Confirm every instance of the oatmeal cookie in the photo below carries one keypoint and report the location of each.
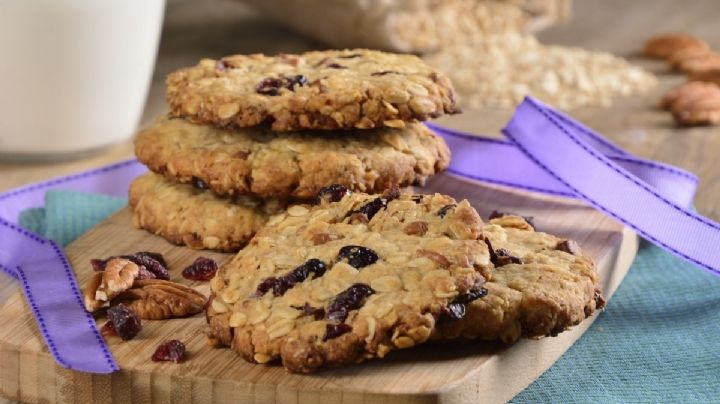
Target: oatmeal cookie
(183, 214)
(541, 286)
(298, 164)
(352, 278)
(342, 89)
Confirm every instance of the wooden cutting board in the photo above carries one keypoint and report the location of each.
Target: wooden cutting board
(462, 373)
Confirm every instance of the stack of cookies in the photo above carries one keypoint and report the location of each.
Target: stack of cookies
(301, 157)
(247, 135)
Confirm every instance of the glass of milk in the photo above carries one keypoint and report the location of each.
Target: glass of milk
(74, 74)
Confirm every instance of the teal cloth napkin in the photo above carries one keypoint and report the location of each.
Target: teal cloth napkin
(657, 341)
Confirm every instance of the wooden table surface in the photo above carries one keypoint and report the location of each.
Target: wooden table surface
(212, 28)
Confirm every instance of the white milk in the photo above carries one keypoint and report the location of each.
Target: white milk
(74, 74)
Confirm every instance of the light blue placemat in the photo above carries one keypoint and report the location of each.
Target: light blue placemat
(657, 341)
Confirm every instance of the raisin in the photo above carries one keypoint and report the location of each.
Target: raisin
(336, 66)
(265, 285)
(198, 183)
(220, 66)
(445, 209)
(336, 330)
(125, 321)
(351, 298)
(284, 283)
(497, 214)
(203, 269)
(371, 208)
(357, 256)
(568, 246)
(150, 261)
(417, 198)
(453, 312)
(473, 294)
(332, 193)
(350, 56)
(172, 351)
(271, 86)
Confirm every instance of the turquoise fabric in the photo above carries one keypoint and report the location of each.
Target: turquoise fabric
(657, 341)
(68, 214)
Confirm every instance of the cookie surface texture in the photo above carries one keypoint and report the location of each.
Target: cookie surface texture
(283, 165)
(541, 286)
(185, 215)
(315, 90)
(350, 279)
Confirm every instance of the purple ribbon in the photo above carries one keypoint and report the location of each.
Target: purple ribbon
(45, 276)
(546, 152)
(551, 153)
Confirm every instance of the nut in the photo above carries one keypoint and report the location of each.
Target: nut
(710, 76)
(156, 299)
(694, 103)
(118, 276)
(92, 304)
(665, 45)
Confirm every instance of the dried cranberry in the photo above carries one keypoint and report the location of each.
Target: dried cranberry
(173, 351)
(351, 298)
(198, 183)
(445, 209)
(453, 312)
(269, 86)
(145, 274)
(203, 269)
(371, 208)
(332, 193)
(108, 329)
(125, 321)
(336, 330)
(497, 214)
(220, 65)
(357, 256)
(282, 284)
(272, 86)
(265, 285)
(473, 294)
(153, 262)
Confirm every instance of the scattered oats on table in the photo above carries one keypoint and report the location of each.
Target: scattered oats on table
(499, 69)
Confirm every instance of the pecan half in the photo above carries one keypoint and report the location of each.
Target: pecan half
(157, 299)
(118, 276)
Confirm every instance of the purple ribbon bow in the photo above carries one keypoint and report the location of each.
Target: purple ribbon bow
(546, 152)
